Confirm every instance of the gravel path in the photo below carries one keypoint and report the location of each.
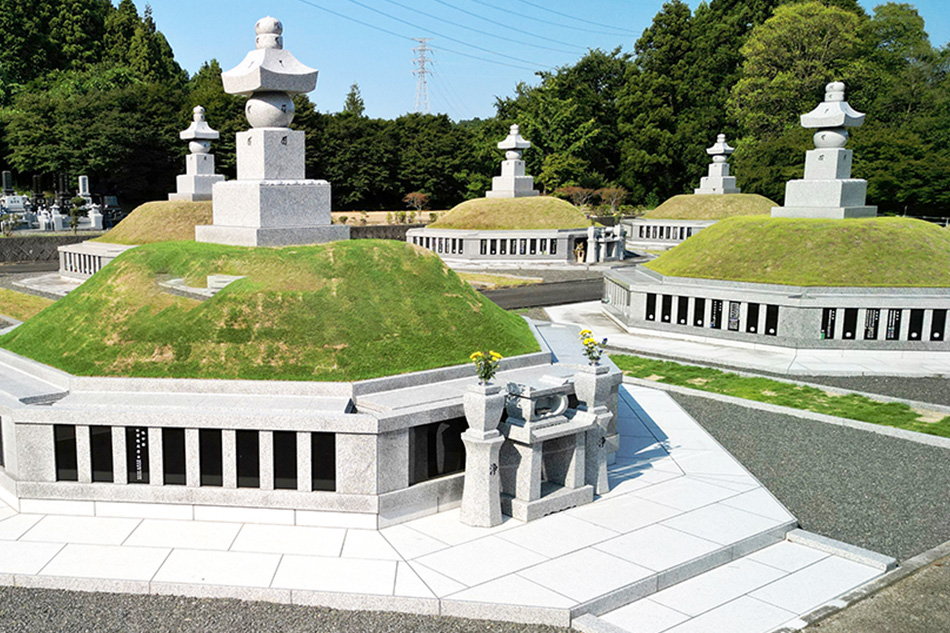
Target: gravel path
(888, 495)
(47, 611)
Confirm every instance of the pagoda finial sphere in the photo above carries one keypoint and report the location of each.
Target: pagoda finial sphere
(199, 114)
(269, 33)
(834, 91)
(515, 129)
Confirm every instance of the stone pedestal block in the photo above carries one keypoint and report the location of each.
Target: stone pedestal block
(251, 236)
(272, 203)
(481, 496)
(834, 199)
(592, 385)
(270, 154)
(200, 165)
(195, 188)
(828, 164)
(512, 187)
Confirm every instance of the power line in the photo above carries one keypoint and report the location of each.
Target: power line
(422, 72)
(442, 35)
(505, 26)
(537, 19)
(406, 37)
(574, 17)
(479, 31)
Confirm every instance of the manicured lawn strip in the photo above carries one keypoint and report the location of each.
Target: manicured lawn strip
(347, 310)
(851, 406)
(20, 305)
(869, 252)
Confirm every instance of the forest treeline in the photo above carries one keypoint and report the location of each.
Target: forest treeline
(87, 87)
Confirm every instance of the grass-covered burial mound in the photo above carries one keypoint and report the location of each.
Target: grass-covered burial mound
(872, 252)
(711, 207)
(162, 221)
(341, 311)
(513, 214)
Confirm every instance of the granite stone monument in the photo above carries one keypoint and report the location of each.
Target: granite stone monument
(513, 183)
(271, 203)
(718, 181)
(199, 177)
(828, 190)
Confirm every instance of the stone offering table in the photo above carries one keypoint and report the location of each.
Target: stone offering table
(543, 462)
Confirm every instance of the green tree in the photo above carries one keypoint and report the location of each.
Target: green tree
(354, 101)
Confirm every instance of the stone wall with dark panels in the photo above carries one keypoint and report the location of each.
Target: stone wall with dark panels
(38, 248)
(382, 231)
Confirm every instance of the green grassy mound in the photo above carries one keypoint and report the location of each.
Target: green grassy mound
(541, 212)
(873, 252)
(159, 222)
(711, 207)
(340, 311)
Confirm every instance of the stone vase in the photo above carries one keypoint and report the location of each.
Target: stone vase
(483, 405)
(592, 385)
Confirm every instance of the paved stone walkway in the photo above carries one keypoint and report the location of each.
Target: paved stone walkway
(679, 505)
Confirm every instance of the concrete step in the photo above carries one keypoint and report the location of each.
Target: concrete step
(760, 592)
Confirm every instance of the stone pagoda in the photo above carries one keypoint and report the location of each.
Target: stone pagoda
(513, 183)
(199, 177)
(271, 203)
(828, 190)
(718, 181)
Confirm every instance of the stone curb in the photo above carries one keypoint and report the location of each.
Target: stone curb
(912, 436)
(10, 328)
(910, 567)
(842, 549)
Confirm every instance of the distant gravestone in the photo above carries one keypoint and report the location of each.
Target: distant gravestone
(513, 183)
(828, 191)
(84, 189)
(718, 181)
(199, 177)
(8, 183)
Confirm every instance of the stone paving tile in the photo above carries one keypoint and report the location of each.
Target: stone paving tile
(759, 501)
(684, 493)
(585, 574)
(346, 575)
(236, 569)
(16, 526)
(439, 584)
(409, 584)
(107, 561)
(813, 586)
(289, 539)
(645, 616)
(743, 615)
(629, 475)
(446, 527)
(411, 543)
(480, 561)
(557, 535)
(721, 524)
(623, 514)
(787, 556)
(368, 544)
(717, 587)
(658, 547)
(707, 462)
(88, 530)
(204, 535)
(27, 558)
(515, 589)
(6, 512)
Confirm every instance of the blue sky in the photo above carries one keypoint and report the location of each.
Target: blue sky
(500, 48)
